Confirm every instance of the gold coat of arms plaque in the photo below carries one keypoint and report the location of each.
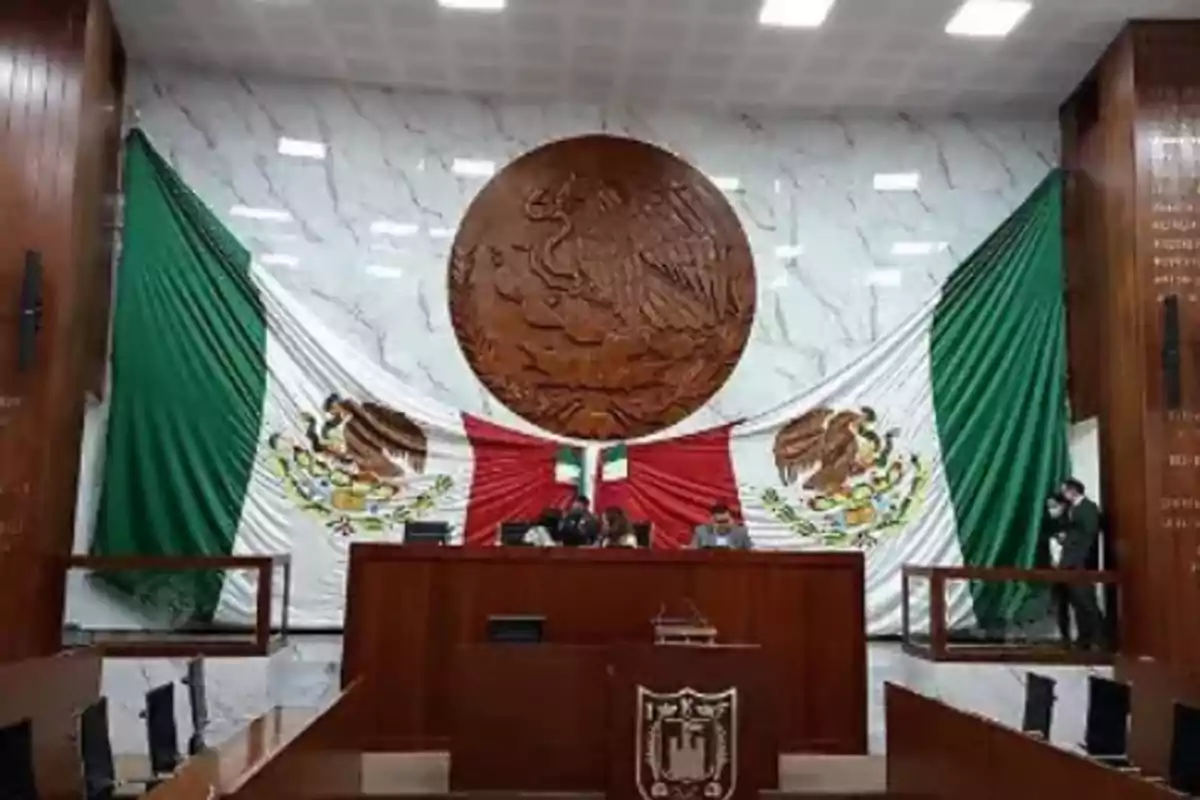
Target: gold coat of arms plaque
(686, 744)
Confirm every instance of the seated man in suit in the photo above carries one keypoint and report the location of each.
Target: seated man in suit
(578, 528)
(721, 531)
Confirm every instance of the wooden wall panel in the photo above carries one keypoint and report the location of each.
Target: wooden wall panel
(59, 145)
(408, 609)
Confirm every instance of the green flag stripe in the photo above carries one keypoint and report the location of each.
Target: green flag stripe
(188, 383)
(998, 365)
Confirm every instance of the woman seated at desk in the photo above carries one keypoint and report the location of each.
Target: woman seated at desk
(616, 530)
(544, 532)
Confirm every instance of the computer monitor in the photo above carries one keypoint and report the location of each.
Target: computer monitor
(198, 701)
(1039, 705)
(17, 779)
(95, 752)
(1107, 732)
(161, 732)
(515, 629)
(1183, 774)
(426, 532)
(642, 532)
(513, 533)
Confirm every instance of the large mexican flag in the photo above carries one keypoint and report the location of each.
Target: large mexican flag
(937, 447)
(240, 425)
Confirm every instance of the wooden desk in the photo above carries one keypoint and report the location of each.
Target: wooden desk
(564, 718)
(408, 611)
(938, 752)
(52, 692)
(1154, 690)
(286, 753)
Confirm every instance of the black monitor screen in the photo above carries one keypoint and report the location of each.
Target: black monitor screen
(160, 729)
(1107, 717)
(426, 532)
(16, 762)
(515, 629)
(95, 746)
(1039, 705)
(513, 533)
(1184, 772)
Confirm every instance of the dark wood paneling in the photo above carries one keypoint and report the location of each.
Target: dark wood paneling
(59, 118)
(530, 719)
(1132, 146)
(938, 752)
(51, 692)
(409, 609)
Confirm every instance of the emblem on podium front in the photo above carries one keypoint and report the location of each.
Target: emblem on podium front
(686, 744)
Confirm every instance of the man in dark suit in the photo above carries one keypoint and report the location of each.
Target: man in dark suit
(578, 528)
(1080, 537)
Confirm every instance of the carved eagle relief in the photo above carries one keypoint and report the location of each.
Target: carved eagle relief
(826, 441)
(379, 440)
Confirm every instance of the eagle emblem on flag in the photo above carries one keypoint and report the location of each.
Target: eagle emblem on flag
(359, 466)
(845, 480)
(686, 744)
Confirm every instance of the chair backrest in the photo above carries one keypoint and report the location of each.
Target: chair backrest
(95, 752)
(426, 532)
(1039, 705)
(644, 531)
(1183, 775)
(17, 778)
(161, 732)
(513, 532)
(198, 702)
(1107, 731)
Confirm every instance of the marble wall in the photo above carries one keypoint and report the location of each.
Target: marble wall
(364, 234)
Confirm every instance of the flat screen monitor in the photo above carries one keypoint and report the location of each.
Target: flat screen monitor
(198, 701)
(16, 762)
(1107, 729)
(430, 532)
(161, 732)
(641, 530)
(515, 629)
(1184, 770)
(512, 534)
(1039, 705)
(95, 750)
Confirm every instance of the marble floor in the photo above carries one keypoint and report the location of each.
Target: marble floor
(307, 672)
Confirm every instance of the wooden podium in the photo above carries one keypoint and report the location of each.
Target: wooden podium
(632, 721)
(411, 610)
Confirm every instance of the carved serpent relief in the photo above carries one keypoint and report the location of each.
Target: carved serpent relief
(601, 288)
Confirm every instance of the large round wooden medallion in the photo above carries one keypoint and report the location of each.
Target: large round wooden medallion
(601, 288)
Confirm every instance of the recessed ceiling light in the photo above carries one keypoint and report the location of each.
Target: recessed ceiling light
(385, 272)
(473, 5)
(278, 260)
(988, 18)
(794, 13)
(897, 181)
(441, 233)
(261, 214)
(385, 227)
(302, 148)
(918, 248)
(883, 277)
(726, 183)
(789, 251)
(474, 167)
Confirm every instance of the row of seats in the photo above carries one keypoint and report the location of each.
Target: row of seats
(1106, 733)
(18, 774)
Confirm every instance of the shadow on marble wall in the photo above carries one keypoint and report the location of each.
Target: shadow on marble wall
(307, 673)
